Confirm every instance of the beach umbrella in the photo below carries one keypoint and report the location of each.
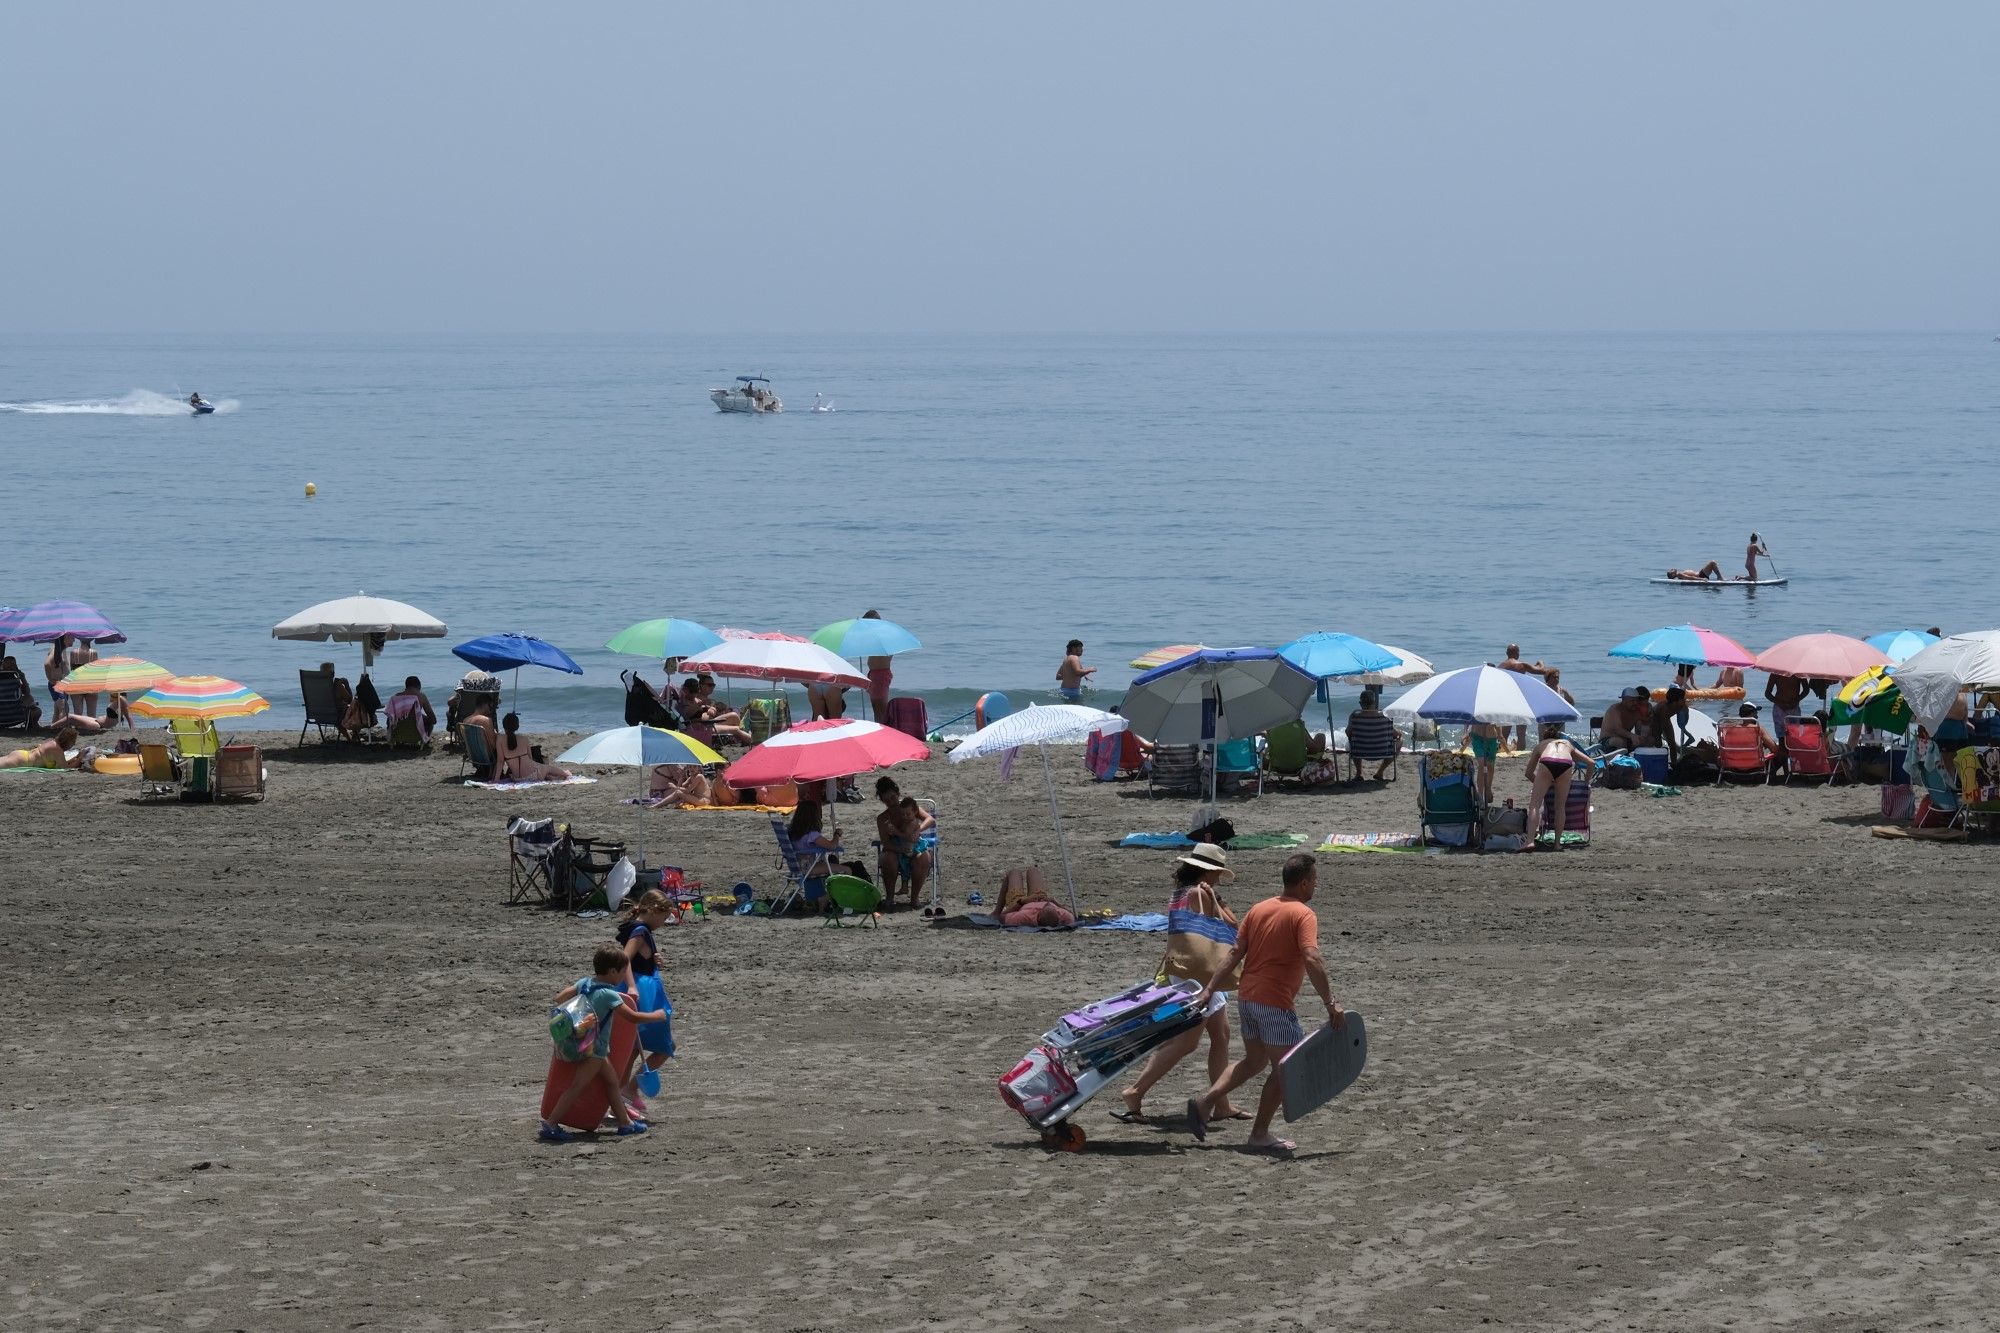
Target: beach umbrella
(823, 749)
(1173, 652)
(1685, 645)
(866, 637)
(1330, 655)
(204, 698)
(1899, 645)
(1931, 680)
(368, 621)
(778, 659)
(1041, 725)
(1214, 696)
(641, 748)
(45, 622)
(1872, 699)
(664, 639)
(113, 675)
(1819, 657)
(1484, 694)
(500, 652)
(1409, 669)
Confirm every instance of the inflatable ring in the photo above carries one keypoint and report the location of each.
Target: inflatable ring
(127, 764)
(1732, 693)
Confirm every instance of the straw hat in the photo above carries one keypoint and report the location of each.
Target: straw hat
(1207, 856)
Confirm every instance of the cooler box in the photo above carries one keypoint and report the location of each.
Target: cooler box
(1652, 764)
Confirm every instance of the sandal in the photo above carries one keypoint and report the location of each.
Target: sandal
(554, 1134)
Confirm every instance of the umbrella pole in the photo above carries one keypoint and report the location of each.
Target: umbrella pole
(1055, 811)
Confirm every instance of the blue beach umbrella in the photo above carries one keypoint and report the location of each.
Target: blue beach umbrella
(1216, 695)
(1900, 645)
(1483, 694)
(664, 638)
(866, 637)
(511, 652)
(1330, 654)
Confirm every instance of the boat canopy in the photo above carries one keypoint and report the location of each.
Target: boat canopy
(752, 379)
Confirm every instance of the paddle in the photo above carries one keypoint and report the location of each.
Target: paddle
(1774, 563)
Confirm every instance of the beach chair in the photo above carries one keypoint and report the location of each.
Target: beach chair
(406, 729)
(765, 718)
(1238, 759)
(1449, 812)
(1576, 813)
(1176, 769)
(17, 712)
(532, 846)
(239, 773)
(798, 870)
(475, 754)
(1740, 751)
(1374, 749)
(193, 737)
(322, 704)
(1285, 750)
(1806, 753)
(852, 896)
(157, 774)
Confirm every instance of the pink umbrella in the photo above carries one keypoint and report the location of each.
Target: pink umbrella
(828, 748)
(1819, 657)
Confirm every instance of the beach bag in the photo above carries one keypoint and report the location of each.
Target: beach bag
(1198, 939)
(1510, 819)
(1218, 831)
(1897, 805)
(573, 1026)
(1621, 773)
(1038, 1084)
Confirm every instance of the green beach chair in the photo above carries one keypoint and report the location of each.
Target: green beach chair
(1285, 750)
(851, 894)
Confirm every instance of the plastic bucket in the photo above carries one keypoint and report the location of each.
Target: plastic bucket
(1652, 764)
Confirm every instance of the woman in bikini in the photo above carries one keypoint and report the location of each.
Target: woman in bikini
(514, 760)
(1552, 765)
(1025, 901)
(50, 753)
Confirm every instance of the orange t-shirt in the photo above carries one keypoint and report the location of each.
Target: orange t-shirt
(1274, 936)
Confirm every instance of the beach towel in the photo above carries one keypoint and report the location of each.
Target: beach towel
(1568, 839)
(1242, 842)
(1159, 841)
(1372, 842)
(523, 786)
(1140, 921)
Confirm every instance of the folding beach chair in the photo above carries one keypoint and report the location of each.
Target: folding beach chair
(1285, 750)
(1806, 753)
(239, 773)
(193, 738)
(1379, 745)
(797, 868)
(406, 730)
(474, 754)
(1740, 751)
(157, 774)
(532, 854)
(1238, 759)
(1176, 769)
(17, 712)
(765, 718)
(1576, 812)
(322, 703)
(1448, 808)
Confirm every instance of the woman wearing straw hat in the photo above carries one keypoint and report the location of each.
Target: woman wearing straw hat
(1200, 931)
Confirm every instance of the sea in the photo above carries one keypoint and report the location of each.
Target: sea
(996, 495)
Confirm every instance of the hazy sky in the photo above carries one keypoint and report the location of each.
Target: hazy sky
(877, 167)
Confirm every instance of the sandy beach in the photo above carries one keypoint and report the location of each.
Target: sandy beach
(275, 1067)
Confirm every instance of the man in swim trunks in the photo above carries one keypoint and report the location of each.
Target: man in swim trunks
(1784, 693)
(1484, 739)
(1277, 947)
(1072, 673)
(1625, 722)
(1709, 571)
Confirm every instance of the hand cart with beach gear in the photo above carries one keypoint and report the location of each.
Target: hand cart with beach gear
(1091, 1046)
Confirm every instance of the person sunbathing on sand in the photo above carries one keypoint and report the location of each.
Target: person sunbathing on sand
(1025, 901)
(516, 761)
(50, 753)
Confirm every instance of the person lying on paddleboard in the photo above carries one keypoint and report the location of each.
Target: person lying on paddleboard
(1708, 572)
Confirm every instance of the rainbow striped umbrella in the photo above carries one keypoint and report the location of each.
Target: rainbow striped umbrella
(114, 675)
(205, 697)
(1159, 657)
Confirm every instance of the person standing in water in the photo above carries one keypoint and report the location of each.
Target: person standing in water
(1756, 549)
(1072, 673)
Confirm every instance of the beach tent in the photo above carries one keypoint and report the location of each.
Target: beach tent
(368, 621)
(1931, 680)
(1041, 725)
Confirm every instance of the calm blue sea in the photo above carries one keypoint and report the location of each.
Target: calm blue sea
(997, 495)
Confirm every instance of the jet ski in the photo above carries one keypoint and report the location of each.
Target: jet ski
(203, 409)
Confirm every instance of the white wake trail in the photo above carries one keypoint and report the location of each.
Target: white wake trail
(138, 403)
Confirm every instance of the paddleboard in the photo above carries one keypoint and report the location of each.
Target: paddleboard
(1320, 1068)
(1725, 583)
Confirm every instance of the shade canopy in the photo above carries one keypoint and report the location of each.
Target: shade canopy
(1931, 680)
(664, 638)
(1037, 724)
(1820, 657)
(204, 697)
(504, 652)
(827, 748)
(1330, 655)
(638, 747)
(114, 675)
(45, 622)
(1685, 645)
(1900, 645)
(1484, 694)
(775, 659)
(1216, 695)
(357, 619)
(863, 637)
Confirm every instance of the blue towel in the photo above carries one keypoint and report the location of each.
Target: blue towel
(1130, 921)
(1169, 841)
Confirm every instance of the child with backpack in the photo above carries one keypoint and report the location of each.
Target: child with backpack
(580, 1022)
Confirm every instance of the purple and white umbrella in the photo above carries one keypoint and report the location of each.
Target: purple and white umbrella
(45, 622)
(1484, 694)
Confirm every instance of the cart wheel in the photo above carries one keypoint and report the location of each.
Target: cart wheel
(1066, 1137)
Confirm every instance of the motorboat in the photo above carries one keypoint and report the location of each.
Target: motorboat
(746, 396)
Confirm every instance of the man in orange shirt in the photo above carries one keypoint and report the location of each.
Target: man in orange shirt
(1277, 946)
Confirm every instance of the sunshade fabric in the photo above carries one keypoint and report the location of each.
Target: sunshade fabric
(637, 747)
(45, 622)
(355, 619)
(1685, 645)
(1900, 645)
(863, 637)
(502, 652)
(1483, 694)
(1331, 655)
(114, 675)
(1218, 694)
(1931, 680)
(775, 659)
(822, 749)
(664, 638)
(205, 697)
(1820, 657)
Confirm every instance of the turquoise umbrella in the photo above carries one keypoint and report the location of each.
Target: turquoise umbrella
(866, 637)
(664, 638)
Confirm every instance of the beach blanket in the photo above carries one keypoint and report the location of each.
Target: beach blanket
(1568, 839)
(1090, 920)
(1242, 842)
(1141, 921)
(655, 802)
(523, 786)
(1372, 842)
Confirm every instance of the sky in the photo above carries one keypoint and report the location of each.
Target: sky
(1109, 167)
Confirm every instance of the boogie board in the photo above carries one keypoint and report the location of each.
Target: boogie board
(587, 1112)
(1725, 583)
(1319, 1068)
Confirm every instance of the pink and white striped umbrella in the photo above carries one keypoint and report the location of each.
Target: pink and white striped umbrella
(775, 659)
(828, 748)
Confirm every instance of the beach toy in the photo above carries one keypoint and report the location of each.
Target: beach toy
(127, 764)
(649, 1082)
(744, 894)
(311, 490)
(1319, 1068)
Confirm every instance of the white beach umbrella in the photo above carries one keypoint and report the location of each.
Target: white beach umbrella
(1930, 680)
(360, 619)
(1041, 725)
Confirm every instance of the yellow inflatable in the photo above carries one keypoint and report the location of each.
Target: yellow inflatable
(1732, 693)
(128, 764)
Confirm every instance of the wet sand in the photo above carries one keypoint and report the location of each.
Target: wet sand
(275, 1067)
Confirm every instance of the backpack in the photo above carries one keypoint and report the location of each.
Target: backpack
(573, 1025)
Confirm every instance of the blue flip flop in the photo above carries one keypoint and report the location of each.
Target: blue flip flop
(554, 1134)
(636, 1127)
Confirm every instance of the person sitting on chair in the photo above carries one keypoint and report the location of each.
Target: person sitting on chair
(1371, 733)
(1768, 748)
(1625, 725)
(12, 669)
(909, 836)
(1025, 901)
(480, 719)
(517, 761)
(411, 702)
